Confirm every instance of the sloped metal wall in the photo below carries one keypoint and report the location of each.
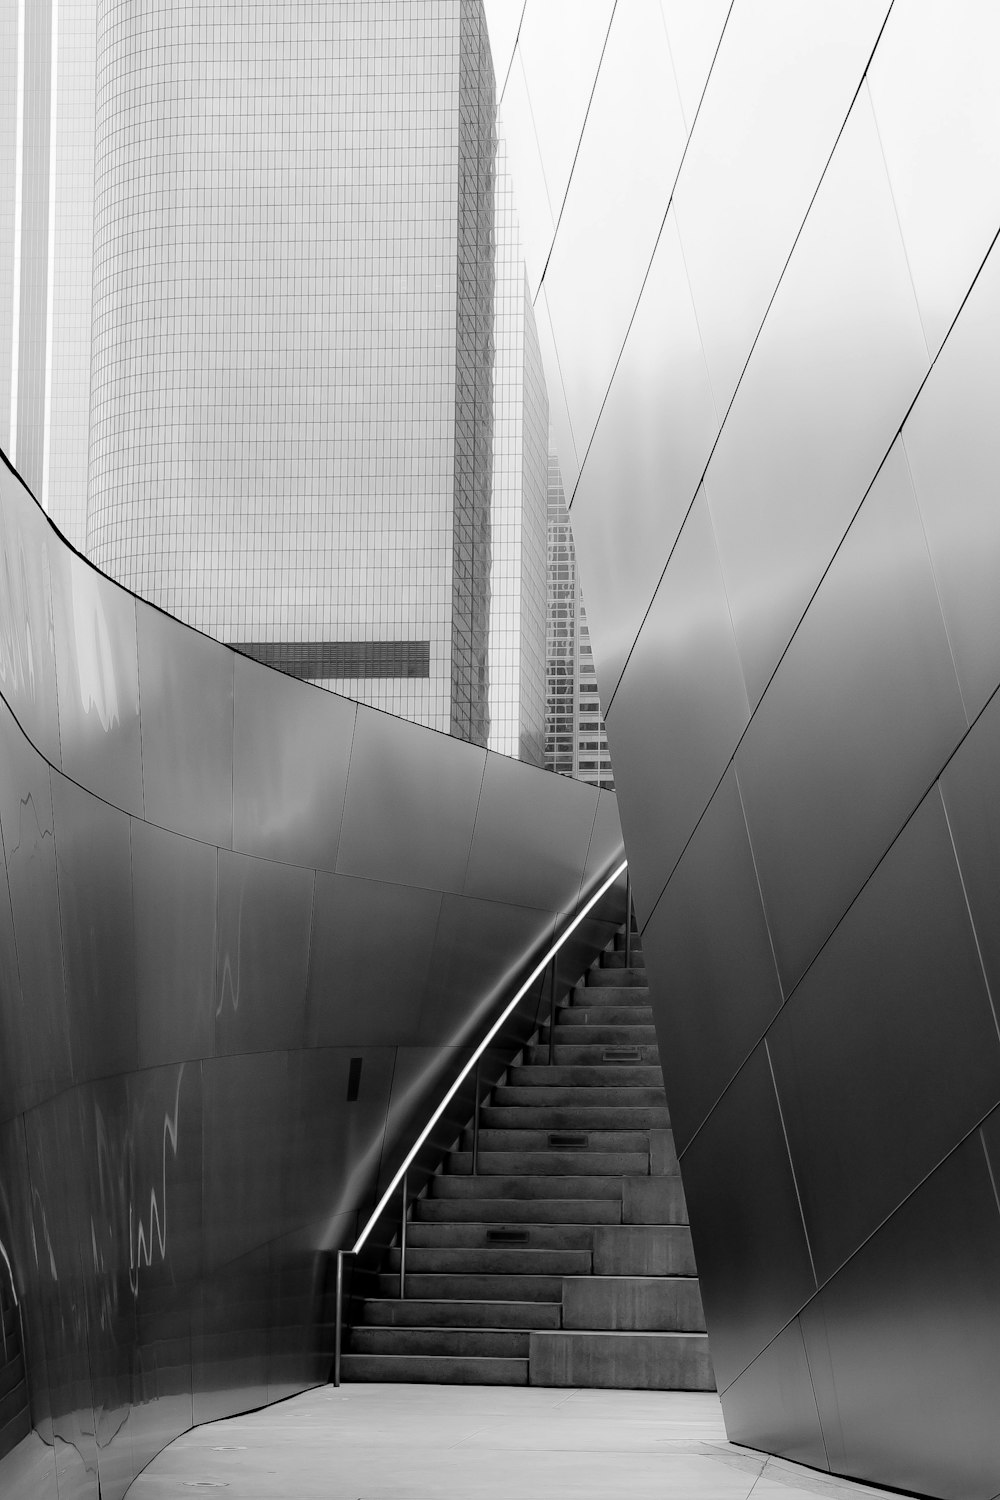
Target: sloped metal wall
(220, 889)
(764, 264)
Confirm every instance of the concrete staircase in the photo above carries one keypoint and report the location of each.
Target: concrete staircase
(566, 1260)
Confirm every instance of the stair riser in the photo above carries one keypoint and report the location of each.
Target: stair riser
(391, 1313)
(448, 1186)
(472, 1236)
(455, 1211)
(643, 1250)
(616, 979)
(610, 1075)
(553, 1097)
(611, 1036)
(580, 1117)
(492, 1260)
(466, 1287)
(538, 1140)
(592, 1054)
(633, 1304)
(551, 1163)
(604, 1015)
(616, 959)
(645, 1362)
(653, 1200)
(492, 1343)
(419, 1369)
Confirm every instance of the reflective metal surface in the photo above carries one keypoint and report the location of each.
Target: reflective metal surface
(682, 697)
(645, 461)
(783, 483)
(707, 942)
(861, 715)
(896, 1000)
(820, 262)
(210, 1057)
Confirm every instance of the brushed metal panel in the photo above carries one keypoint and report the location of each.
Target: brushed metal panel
(606, 839)
(531, 838)
(682, 705)
(163, 1145)
(772, 1405)
(838, 361)
(29, 847)
(645, 462)
(411, 804)
(94, 626)
(535, 213)
(175, 897)
(782, 84)
(952, 442)
(888, 1051)
(617, 198)
(970, 787)
(560, 51)
(370, 956)
(265, 919)
(694, 32)
(93, 862)
(27, 656)
(859, 718)
(291, 751)
(480, 950)
(186, 711)
(561, 440)
(331, 1144)
(245, 1101)
(943, 162)
(910, 1333)
(713, 982)
(749, 1243)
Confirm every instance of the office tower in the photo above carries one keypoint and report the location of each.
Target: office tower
(771, 342)
(291, 434)
(520, 463)
(47, 103)
(576, 741)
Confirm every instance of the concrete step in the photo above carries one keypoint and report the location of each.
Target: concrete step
(574, 1117)
(558, 1139)
(496, 1235)
(615, 958)
(622, 979)
(454, 1211)
(511, 1096)
(580, 1014)
(435, 1286)
(389, 1312)
(620, 1053)
(643, 1250)
(622, 1361)
(571, 1184)
(606, 1075)
(662, 1154)
(550, 1163)
(653, 1200)
(665, 1304)
(439, 1369)
(490, 1260)
(495, 1343)
(590, 1033)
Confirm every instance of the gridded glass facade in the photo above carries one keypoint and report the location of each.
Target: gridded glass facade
(576, 741)
(292, 406)
(520, 471)
(47, 103)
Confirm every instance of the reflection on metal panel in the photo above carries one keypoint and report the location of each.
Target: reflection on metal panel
(772, 1405)
(681, 698)
(861, 715)
(183, 1142)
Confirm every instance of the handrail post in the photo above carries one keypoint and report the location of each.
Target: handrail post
(552, 1010)
(475, 1127)
(402, 1246)
(628, 919)
(338, 1317)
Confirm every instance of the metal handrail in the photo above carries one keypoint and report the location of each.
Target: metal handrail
(473, 1062)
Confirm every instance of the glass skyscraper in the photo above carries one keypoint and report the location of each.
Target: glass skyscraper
(292, 406)
(520, 468)
(47, 82)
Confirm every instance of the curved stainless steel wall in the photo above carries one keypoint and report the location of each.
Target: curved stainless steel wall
(771, 312)
(220, 886)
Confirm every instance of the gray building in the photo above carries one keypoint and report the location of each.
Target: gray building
(292, 410)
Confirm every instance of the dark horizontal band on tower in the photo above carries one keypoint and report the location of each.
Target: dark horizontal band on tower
(329, 659)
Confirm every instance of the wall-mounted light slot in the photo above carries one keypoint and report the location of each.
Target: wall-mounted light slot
(353, 1079)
